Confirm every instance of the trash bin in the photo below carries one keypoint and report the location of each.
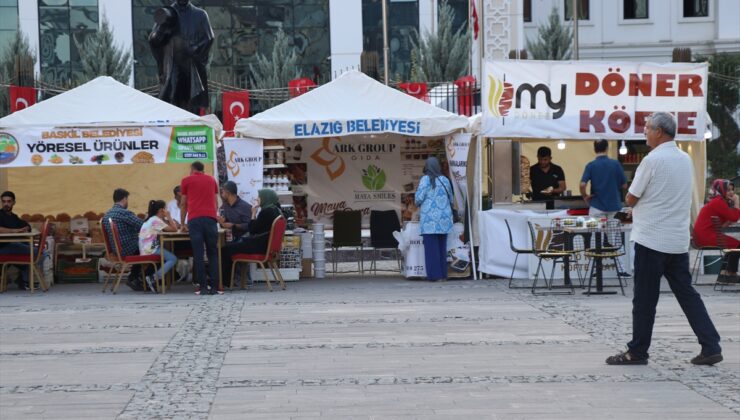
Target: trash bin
(712, 264)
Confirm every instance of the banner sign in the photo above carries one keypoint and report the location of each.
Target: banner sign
(588, 100)
(244, 164)
(104, 146)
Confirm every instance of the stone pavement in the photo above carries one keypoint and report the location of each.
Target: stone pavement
(378, 347)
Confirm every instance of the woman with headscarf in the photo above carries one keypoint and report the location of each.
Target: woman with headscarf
(268, 206)
(434, 197)
(725, 205)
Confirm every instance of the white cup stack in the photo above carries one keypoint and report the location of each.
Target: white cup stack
(319, 249)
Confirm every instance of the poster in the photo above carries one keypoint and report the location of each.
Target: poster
(244, 165)
(105, 146)
(587, 100)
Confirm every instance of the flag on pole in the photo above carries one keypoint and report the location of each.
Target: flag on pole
(235, 107)
(474, 19)
(21, 97)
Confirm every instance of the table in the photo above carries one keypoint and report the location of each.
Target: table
(732, 230)
(24, 237)
(572, 230)
(182, 236)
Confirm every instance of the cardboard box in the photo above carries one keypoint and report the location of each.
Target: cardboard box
(306, 268)
(61, 231)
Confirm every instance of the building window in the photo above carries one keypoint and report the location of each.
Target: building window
(583, 9)
(8, 22)
(64, 24)
(636, 9)
(403, 19)
(695, 8)
(461, 10)
(242, 29)
(527, 10)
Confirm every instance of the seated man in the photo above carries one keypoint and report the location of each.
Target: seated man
(128, 228)
(11, 223)
(173, 206)
(235, 212)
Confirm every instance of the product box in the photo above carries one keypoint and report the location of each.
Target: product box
(77, 239)
(79, 226)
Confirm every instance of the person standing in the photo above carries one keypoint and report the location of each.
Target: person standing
(434, 196)
(547, 178)
(198, 202)
(660, 196)
(607, 182)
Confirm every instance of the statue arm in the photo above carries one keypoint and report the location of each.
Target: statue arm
(201, 48)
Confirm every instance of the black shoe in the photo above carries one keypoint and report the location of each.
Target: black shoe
(623, 274)
(701, 359)
(625, 358)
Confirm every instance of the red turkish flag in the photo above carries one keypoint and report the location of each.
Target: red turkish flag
(298, 87)
(416, 89)
(474, 16)
(21, 97)
(235, 107)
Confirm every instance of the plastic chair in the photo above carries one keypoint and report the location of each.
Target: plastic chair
(724, 250)
(382, 225)
(517, 251)
(540, 244)
(25, 259)
(698, 260)
(347, 234)
(129, 261)
(271, 257)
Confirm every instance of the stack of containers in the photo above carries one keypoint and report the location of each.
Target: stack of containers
(319, 250)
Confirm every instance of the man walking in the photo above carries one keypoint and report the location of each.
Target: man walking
(198, 202)
(661, 199)
(607, 182)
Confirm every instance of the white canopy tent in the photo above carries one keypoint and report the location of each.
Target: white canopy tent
(351, 97)
(102, 102)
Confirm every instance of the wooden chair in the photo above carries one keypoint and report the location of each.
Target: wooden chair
(609, 246)
(129, 261)
(724, 250)
(25, 259)
(111, 271)
(271, 257)
(540, 245)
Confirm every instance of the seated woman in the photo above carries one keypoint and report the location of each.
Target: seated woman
(259, 231)
(724, 203)
(159, 219)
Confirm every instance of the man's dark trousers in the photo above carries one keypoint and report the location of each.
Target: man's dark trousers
(650, 266)
(204, 231)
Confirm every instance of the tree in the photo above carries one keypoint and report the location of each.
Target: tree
(275, 72)
(99, 56)
(16, 67)
(443, 56)
(723, 100)
(553, 42)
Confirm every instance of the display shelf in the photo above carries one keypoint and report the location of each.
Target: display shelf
(275, 166)
(276, 147)
(284, 193)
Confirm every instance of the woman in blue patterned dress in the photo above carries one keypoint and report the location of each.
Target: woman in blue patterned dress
(434, 196)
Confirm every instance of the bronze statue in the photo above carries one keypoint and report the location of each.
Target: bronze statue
(180, 41)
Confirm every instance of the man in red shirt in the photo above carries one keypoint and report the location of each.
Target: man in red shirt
(199, 192)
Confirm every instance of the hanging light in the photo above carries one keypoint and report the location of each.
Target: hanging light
(708, 135)
(623, 149)
(561, 144)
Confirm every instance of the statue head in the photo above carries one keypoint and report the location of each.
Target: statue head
(183, 3)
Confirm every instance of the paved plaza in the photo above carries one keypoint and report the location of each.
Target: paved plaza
(372, 348)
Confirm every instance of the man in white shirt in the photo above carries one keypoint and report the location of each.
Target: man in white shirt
(173, 206)
(660, 196)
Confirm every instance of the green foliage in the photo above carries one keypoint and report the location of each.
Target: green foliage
(443, 56)
(99, 56)
(276, 71)
(16, 67)
(723, 100)
(373, 178)
(553, 42)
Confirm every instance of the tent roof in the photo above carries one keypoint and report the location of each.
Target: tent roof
(104, 101)
(351, 97)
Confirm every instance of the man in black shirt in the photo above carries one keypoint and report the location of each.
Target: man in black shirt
(546, 176)
(11, 223)
(235, 212)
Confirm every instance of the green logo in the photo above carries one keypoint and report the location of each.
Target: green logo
(373, 178)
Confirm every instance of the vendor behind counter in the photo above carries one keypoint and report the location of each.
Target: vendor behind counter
(547, 178)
